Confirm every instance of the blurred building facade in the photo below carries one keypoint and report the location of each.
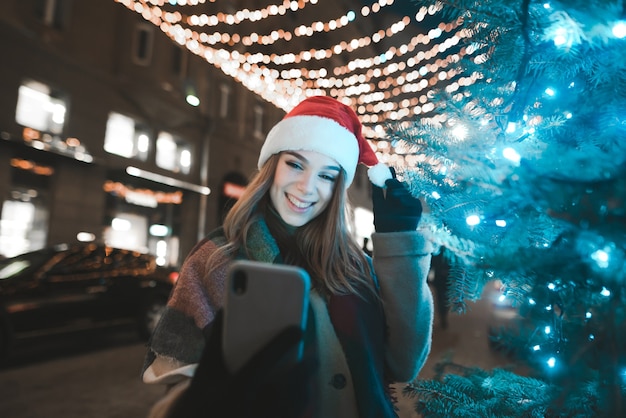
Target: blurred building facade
(98, 141)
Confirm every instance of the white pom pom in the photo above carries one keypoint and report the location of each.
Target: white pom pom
(379, 174)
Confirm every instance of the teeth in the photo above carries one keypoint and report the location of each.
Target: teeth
(299, 204)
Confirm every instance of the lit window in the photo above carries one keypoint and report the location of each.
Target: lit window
(126, 137)
(173, 153)
(39, 108)
(24, 221)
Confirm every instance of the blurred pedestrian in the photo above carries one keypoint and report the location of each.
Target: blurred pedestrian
(371, 319)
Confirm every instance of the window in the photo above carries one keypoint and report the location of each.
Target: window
(24, 221)
(173, 153)
(142, 43)
(258, 122)
(126, 137)
(224, 100)
(40, 108)
(127, 230)
(179, 61)
(53, 13)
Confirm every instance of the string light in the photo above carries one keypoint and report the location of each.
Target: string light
(619, 29)
(511, 155)
(374, 85)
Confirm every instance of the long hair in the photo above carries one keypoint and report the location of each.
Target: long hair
(333, 259)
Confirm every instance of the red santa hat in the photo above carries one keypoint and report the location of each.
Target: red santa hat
(327, 126)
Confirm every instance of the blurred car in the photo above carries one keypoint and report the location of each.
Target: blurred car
(74, 287)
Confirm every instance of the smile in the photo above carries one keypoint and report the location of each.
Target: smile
(298, 203)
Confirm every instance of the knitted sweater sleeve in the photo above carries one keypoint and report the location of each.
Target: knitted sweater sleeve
(177, 343)
(402, 262)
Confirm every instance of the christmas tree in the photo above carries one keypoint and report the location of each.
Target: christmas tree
(523, 167)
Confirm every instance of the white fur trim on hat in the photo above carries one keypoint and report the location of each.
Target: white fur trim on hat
(313, 133)
(379, 174)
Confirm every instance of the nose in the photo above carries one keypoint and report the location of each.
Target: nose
(306, 183)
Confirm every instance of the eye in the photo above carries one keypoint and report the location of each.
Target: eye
(294, 164)
(328, 177)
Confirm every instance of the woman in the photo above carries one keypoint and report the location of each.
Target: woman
(371, 318)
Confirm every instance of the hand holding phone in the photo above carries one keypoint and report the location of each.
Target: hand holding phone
(262, 300)
(255, 389)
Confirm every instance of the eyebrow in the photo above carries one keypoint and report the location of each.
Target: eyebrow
(301, 157)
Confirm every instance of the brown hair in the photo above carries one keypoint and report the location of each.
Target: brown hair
(326, 249)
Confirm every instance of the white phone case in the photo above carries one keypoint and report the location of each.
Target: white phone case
(261, 300)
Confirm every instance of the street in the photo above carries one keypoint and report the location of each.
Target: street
(96, 375)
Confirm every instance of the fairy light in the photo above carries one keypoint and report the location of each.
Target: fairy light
(619, 29)
(377, 85)
(511, 155)
(601, 257)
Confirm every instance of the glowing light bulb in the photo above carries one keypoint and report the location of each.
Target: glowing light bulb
(511, 155)
(472, 220)
(619, 29)
(511, 127)
(560, 37)
(436, 195)
(536, 347)
(601, 257)
(459, 132)
(551, 362)
(501, 223)
(547, 329)
(605, 292)
(192, 100)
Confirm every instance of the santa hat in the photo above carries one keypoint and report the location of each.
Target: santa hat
(327, 126)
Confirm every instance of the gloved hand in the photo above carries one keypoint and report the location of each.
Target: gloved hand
(265, 387)
(397, 209)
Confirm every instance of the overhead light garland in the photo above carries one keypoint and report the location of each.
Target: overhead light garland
(382, 87)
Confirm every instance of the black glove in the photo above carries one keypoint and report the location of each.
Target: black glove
(264, 387)
(396, 211)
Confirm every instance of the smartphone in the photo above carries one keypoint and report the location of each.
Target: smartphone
(262, 299)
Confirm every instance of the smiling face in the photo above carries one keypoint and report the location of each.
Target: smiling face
(303, 185)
